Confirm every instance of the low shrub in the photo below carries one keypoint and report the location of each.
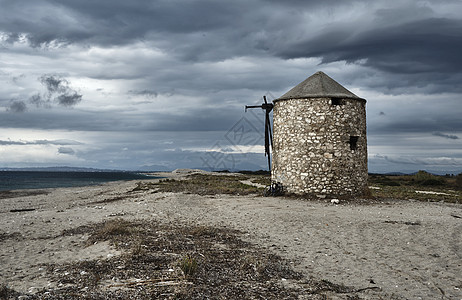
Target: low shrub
(110, 229)
(188, 265)
(459, 181)
(431, 182)
(424, 178)
(202, 184)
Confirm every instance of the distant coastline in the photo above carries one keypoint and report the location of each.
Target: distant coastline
(68, 169)
(18, 179)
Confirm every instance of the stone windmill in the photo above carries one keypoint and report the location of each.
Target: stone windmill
(320, 145)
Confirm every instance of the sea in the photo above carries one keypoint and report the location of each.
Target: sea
(14, 180)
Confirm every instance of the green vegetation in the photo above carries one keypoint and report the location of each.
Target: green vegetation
(423, 178)
(188, 265)
(203, 184)
(458, 182)
(421, 186)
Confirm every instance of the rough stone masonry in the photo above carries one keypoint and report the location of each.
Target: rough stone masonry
(320, 143)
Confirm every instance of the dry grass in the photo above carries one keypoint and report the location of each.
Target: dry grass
(401, 187)
(445, 188)
(179, 262)
(202, 184)
(111, 229)
(188, 265)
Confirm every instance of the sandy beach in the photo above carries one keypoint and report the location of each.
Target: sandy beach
(394, 249)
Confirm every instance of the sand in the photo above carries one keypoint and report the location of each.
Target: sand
(395, 249)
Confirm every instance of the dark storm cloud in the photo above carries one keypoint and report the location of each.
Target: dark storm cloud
(66, 150)
(421, 52)
(416, 114)
(202, 119)
(191, 120)
(112, 23)
(147, 93)
(39, 101)
(192, 30)
(447, 136)
(54, 84)
(419, 124)
(418, 46)
(17, 106)
(58, 91)
(69, 99)
(58, 87)
(428, 44)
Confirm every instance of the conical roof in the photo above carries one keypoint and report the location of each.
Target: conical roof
(318, 85)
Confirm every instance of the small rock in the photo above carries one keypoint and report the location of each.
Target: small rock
(335, 201)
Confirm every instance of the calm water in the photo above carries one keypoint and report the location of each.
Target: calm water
(13, 180)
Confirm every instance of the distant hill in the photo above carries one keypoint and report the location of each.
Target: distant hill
(154, 168)
(439, 173)
(235, 168)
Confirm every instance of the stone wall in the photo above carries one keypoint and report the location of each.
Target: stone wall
(320, 146)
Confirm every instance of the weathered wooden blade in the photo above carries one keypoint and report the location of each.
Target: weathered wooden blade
(267, 139)
(268, 107)
(269, 128)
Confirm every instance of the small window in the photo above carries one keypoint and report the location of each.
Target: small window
(336, 101)
(354, 142)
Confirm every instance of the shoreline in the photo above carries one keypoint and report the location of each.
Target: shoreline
(31, 183)
(403, 249)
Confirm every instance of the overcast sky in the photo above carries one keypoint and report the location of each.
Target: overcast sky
(162, 84)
